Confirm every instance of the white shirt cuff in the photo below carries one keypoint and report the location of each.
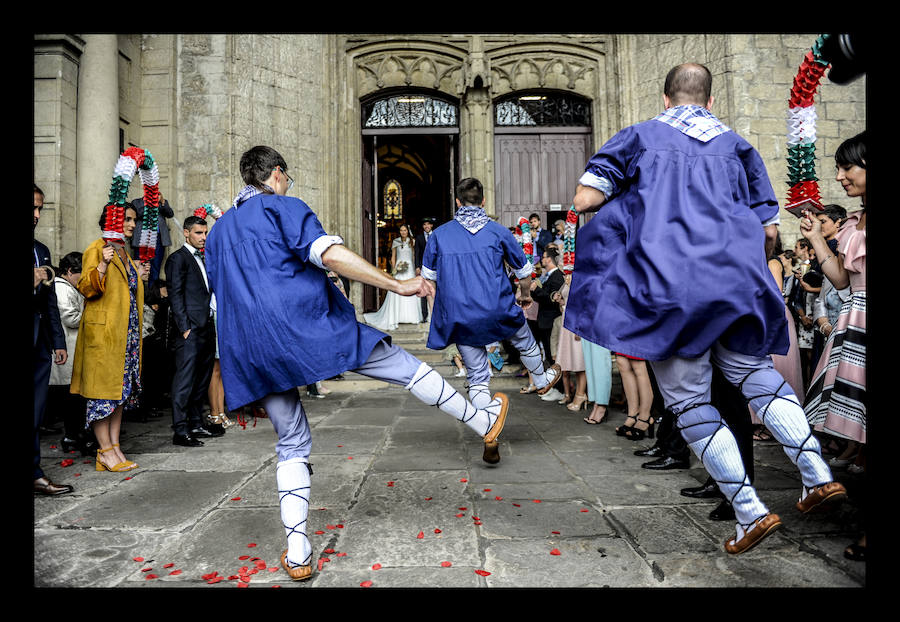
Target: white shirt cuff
(775, 220)
(525, 271)
(320, 245)
(429, 274)
(600, 183)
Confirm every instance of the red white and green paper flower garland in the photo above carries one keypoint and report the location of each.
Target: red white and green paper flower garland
(132, 160)
(208, 209)
(569, 240)
(801, 135)
(523, 236)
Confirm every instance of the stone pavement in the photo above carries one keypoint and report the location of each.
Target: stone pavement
(401, 498)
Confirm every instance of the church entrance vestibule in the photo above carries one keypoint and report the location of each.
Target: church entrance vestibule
(410, 164)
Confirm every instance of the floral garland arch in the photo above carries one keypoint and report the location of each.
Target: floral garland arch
(132, 160)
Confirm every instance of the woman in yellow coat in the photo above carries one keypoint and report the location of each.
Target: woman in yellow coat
(107, 366)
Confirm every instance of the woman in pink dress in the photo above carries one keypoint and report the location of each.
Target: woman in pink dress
(570, 355)
(836, 400)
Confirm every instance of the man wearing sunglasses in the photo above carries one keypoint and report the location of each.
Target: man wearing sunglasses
(284, 324)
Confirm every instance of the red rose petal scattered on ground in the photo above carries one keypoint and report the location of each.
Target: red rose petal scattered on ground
(487, 490)
(517, 505)
(464, 480)
(251, 545)
(555, 552)
(328, 551)
(215, 580)
(67, 462)
(138, 559)
(77, 474)
(437, 531)
(555, 532)
(209, 575)
(168, 565)
(478, 522)
(319, 532)
(536, 500)
(329, 526)
(420, 535)
(235, 498)
(233, 577)
(349, 457)
(127, 478)
(261, 564)
(446, 564)
(243, 557)
(390, 484)
(475, 518)
(376, 566)
(483, 573)
(319, 565)
(585, 510)
(151, 576)
(175, 572)
(146, 569)
(463, 509)
(340, 525)
(341, 555)
(340, 445)
(242, 584)
(273, 569)
(276, 586)
(498, 498)
(428, 498)
(243, 570)
(52, 446)
(459, 515)
(365, 584)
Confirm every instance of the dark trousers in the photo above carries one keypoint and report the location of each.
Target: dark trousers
(71, 407)
(42, 363)
(542, 335)
(194, 359)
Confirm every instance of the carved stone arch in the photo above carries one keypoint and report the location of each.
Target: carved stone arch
(408, 64)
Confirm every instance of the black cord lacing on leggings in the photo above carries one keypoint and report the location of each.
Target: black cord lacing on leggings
(297, 529)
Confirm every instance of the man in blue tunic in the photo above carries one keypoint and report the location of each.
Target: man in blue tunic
(474, 304)
(673, 270)
(284, 324)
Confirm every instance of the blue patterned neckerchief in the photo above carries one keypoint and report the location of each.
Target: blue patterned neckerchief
(472, 218)
(248, 192)
(694, 121)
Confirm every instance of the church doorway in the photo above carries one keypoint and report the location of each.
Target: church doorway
(410, 164)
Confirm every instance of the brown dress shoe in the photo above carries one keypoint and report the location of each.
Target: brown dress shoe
(823, 498)
(553, 381)
(298, 573)
(761, 528)
(43, 486)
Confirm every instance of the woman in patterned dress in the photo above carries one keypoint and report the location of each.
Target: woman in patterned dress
(107, 366)
(836, 400)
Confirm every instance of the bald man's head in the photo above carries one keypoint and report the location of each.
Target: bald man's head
(689, 83)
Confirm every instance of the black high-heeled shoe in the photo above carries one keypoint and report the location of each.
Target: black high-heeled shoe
(623, 429)
(636, 434)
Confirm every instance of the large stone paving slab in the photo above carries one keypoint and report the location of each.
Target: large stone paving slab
(175, 499)
(582, 562)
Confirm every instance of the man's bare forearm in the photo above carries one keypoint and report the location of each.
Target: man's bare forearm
(345, 262)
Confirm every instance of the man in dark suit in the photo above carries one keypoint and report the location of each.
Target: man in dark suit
(421, 240)
(189, 304)
(539, 237)
(163, 240)
(49, 348)
(551, 281)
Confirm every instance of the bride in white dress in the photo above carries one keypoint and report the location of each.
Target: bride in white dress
(398, 309)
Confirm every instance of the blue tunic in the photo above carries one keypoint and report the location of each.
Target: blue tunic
(474, 303)
(675, 260)
(282, 322)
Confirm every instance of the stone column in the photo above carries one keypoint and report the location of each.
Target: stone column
(97, 133)
(476, 128)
